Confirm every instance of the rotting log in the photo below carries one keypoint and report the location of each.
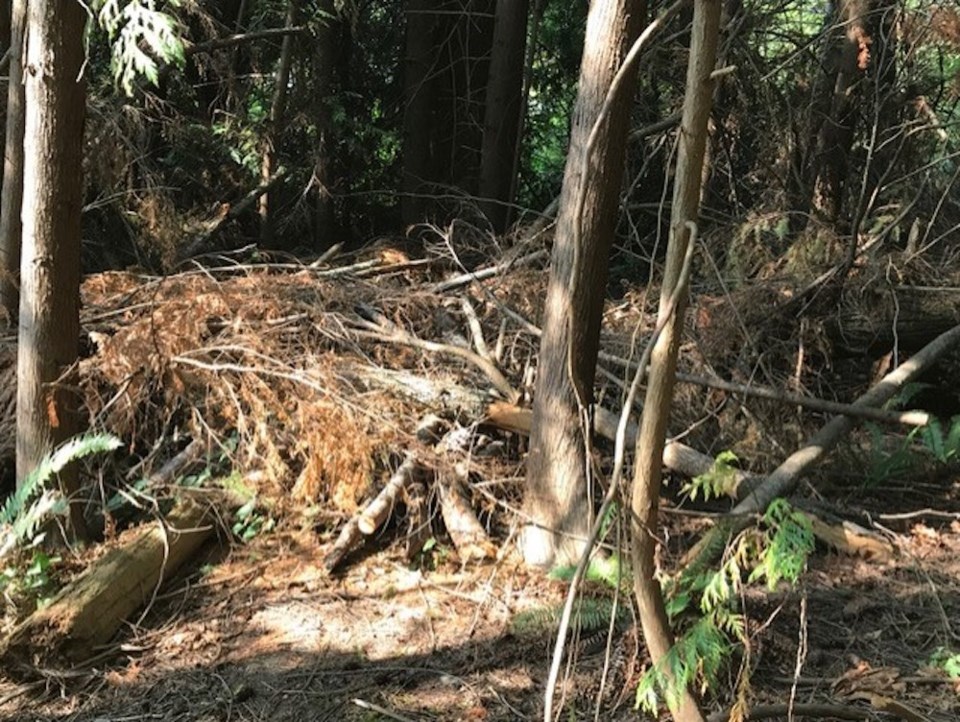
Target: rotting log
(88, 611)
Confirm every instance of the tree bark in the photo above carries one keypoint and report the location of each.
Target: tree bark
(557, 501)
(278, 109)
(673, 296)
(323, 176)
(504, 104)
(12, 198)
(47, 407)
(419, 98)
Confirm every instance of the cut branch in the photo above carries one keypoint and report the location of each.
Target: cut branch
(373, 515)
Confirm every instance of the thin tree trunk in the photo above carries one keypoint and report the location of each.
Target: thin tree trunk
(649, 456)
(278, 109)
(47, 406)
(556, 500)
(12, 198)
(503, 108)
(323, 177)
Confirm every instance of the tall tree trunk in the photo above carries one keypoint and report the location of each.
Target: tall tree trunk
(278, 110)
(557, 502)
(501, 127)
(47, 406)
(12, 198)
(663, 364)
(323, 176)
(419, 106)
(848, 58)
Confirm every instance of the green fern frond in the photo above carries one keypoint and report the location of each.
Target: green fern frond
(696, 657)
(22, 513)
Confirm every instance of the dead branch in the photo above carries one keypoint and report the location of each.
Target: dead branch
(240, 38)
(489, 272)
(227, 215)
(394, 334)
(467, 534)
(907, 418)
(784, 478)
(373, 515)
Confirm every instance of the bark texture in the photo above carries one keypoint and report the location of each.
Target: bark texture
(12, 198)
(663, 363)
(278, 111)
(47, 408)
(504, 103)
(556, 503)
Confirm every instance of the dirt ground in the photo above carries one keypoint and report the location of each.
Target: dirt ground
(261, 632)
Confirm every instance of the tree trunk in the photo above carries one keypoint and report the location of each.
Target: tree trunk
(47, 406)
(419, 97)
(557, 500)
(849, 55)
(503, 108)
(278, 109)
(663, 363)
(12, 198)
(323, 176)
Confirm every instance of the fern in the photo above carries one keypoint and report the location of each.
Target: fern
(695, 658)
(35, 500)
(138, 24)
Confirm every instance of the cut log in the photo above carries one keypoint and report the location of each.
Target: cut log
(89, 610)
(467, 534)
(373, 515)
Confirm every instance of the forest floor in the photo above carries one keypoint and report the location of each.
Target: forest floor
(261, 632)
(306, 384)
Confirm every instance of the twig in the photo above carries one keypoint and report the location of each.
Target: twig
(362, 704)
(476, 330)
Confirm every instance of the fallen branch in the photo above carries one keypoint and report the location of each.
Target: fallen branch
(467, 534)
(88, 611)
(784, 478)
(489, 272)
(373, 515)
(231, 212)
(907, 418)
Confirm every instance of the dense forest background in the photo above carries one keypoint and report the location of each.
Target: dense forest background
(374, 285)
